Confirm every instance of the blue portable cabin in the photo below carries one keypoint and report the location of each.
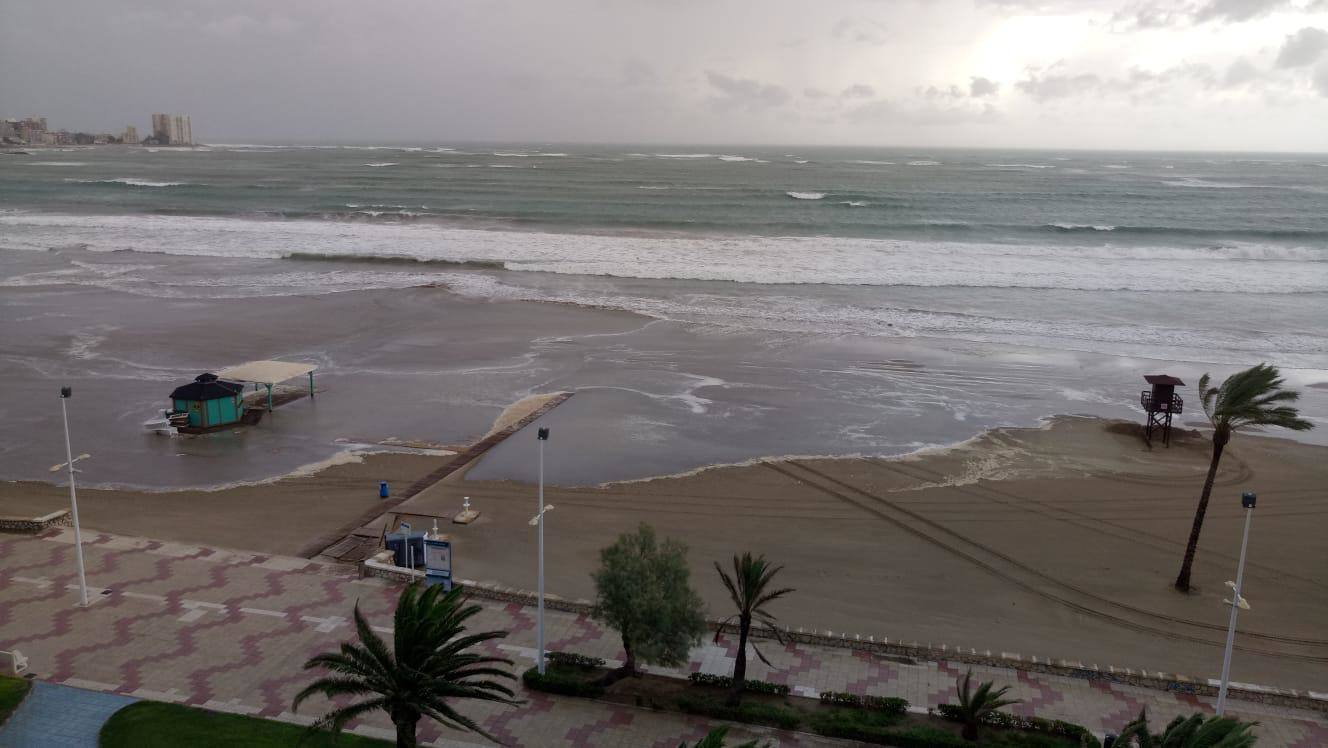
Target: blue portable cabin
(209, 401)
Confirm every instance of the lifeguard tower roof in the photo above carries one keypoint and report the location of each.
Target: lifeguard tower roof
(267, 372)
(1149, 378)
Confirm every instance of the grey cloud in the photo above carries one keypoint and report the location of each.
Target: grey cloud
(860, 30)
(1321, 80)
(979, 87)
(814, 93)
(1047, 86)
(1058, 86)
(1239, 73)
(1303, 48)
(1235, 11)
(886, 111)
(951, 92)
(1153, 14)
(745, 93)
(858, 91)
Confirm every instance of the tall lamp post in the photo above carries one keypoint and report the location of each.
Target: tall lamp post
(1236, 602)
(543, 434)
(65, 394)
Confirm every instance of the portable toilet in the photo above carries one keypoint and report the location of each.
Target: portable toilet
(209, 401)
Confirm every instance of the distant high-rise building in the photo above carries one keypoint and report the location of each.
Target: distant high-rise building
(172, 129)
(130, 134)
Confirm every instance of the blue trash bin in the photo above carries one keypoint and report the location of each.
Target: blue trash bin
(382, 489)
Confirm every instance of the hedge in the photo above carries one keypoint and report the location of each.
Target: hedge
(574, 660)
(886, 704)
(725, 682)
(850, 724)
(749, 712)
(565, 681)
(1057, 728)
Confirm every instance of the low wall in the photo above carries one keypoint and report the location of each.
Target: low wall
(380, 566)
(33, 525)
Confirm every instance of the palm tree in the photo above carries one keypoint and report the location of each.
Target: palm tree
(1189, 732)
(427, 666)
(975, 705)
(1249, 398)
(715, 739)
(747, 589)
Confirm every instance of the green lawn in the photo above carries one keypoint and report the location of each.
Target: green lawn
(151, 724)
(12, 691)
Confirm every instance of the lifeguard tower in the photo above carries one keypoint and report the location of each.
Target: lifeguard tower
(1160, 403)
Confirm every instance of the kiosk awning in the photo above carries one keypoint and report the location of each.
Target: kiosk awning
(266, 372)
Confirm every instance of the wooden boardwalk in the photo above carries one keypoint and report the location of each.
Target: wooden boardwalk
(344, 544)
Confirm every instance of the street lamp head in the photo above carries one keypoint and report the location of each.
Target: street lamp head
(1247, 499)
(543, 433)
(66, 392)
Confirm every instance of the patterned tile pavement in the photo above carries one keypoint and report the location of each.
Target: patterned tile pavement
(230, 630)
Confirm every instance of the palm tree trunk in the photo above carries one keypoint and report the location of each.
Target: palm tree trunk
(740, 665)
(970, 731)
(405, 724)
(1220, 439)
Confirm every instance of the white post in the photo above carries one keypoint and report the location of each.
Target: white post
(540, 616)
(73, 504)
(1235, 608)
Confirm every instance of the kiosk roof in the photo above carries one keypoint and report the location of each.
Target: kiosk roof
(266, 372)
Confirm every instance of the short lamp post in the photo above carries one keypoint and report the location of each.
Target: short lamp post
(70, 459)
(538, 521)
(1236, 602)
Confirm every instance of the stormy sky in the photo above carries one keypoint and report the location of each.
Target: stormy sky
(1188, 74)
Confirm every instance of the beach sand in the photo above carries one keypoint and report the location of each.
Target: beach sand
(1055, 542)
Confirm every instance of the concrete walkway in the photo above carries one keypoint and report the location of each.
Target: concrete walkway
(230, 631)
(60, 717)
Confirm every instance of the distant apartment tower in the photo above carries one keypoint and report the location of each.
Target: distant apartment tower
(172, 129)
(130, 134)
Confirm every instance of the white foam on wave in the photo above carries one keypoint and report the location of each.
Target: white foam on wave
(130, 182)
(380, 164)
(736, 158)
(55, 163)
(1196, 182)
(855, 203)
(924, 162)
(1081, 226)
(866, 162)
(1021, 166)
(806, 195)
(511, 154)
(802, 161)
(1279, 269)
(684, 155)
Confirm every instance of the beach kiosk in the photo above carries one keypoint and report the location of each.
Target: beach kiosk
(210, 401)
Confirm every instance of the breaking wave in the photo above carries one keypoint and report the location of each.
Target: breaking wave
(806, 195)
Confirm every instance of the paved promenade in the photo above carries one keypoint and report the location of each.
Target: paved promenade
(230, 631)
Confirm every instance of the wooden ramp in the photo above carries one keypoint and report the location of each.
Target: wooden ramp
(344, 544)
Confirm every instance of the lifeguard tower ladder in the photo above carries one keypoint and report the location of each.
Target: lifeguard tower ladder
(1160, 404)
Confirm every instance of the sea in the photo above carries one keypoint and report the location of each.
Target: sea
(1190, 259)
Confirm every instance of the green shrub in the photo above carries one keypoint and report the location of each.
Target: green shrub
(1055, 728)
(887, 704)
(564, 681)
(573, 660)
(726, 682)
(749, 712)
(855, 723)
(12, 691)
(875, 727)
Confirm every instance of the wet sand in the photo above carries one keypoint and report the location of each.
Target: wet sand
(1057, 542)
(1060, 542)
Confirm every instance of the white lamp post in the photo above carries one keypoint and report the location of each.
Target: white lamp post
(538, 520)
(65, 393)
(1236, 602)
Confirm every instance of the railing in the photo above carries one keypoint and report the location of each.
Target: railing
(1176, 405)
